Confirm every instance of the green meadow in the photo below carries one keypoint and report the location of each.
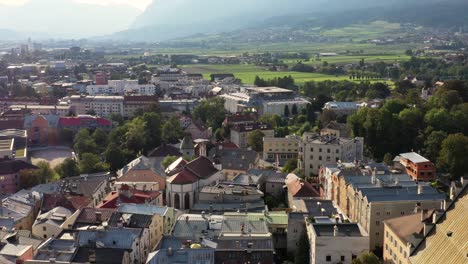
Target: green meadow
(247, 73)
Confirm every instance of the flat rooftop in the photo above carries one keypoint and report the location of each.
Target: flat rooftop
(268, 90)
(6, 144)
(341, 230)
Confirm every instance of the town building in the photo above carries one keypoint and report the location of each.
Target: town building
(102, 105)
(301, 210)
(418, 167)
(240, 133)
(19, 140)
(370, 200)
(336, 242)
(126, 194)
(142, 174)
(42, 129)
(60, 110)
(76, 123)
(342, 108)
(265, 100)
(48, 225)
(184, 181)
(279, 150)
(22, 207)
(336, 129)
(299, 189)
(445, 241)
(162, 219)
(121, 87)
(402, 233)
(316, 151)
(234, 161)
(134, 103)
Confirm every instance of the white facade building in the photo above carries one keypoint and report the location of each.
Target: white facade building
(336, 242)
(103, 105)
(48, 225)
(121, 87)
(316, 150)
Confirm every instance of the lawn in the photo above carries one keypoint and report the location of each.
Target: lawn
(247, 73)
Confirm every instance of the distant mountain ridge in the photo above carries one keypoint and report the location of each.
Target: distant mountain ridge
(165, 20)
(65, 18)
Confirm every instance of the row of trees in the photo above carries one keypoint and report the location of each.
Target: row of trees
(436, 128)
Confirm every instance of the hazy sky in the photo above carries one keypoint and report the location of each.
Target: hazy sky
(140, 4)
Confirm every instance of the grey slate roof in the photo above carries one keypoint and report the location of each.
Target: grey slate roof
(235, 224)
(142, 209)
(131, 220)
(401, 194)
(234, 159)
(243, 244)
(182, 256)
(118, 238)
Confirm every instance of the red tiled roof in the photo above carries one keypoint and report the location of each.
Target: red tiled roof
(146, 177)
(79, 202)
(202, 167)
(51, 201)
(300, 188)
(227, 145)
(76, 121)
(104, 122)
(183, 177)
(115, 198)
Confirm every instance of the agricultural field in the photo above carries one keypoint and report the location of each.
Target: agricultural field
(247, 73)
(346, 59)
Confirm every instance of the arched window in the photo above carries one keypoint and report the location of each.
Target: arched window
(187, 201)
(176, 201)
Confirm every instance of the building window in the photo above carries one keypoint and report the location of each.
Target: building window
(377, 213)
(328, 150)
(320, 157)
(386, 246)
(320, 150)
(353, 257)
(44, 228)
(402, 213)
(388, 213)
(377, 233)
(401, 250)
(328, 258)
(342, 258)
(45, 236)
(337, 151)
(377, 223)
(386, 234)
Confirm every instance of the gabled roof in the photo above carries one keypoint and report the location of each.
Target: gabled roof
(300, 188)
(115, 238)
(164, 151)
(183, 177)
(115, 198)
(130, 220)
(88, 215)
(201, 167)
(140, 163)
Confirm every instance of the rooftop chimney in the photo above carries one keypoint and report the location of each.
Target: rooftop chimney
(335, 230)
(420, 189)
(98, 217)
